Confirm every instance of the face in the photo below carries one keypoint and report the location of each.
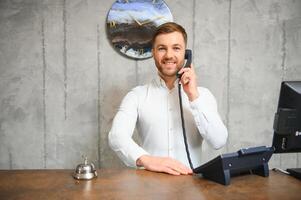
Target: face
(168, 51)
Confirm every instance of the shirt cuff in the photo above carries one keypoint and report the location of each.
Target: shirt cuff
(135, 154)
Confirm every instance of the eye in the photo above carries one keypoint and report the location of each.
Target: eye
(177, 48)
(161, 49)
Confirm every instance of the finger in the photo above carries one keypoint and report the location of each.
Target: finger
(191, 67)
(171, 171)
(185, 78)
(185, 81)
(188, 170)
(183, 70)
(187, 72)
(179, 167)
(184, 167)
(184, 170)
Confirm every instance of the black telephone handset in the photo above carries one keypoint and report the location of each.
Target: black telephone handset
(188, 57)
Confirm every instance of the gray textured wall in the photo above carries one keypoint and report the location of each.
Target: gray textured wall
(61, 82)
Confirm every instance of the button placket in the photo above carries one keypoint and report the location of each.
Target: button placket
(170, 123)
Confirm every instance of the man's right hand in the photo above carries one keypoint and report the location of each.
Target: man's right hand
(163, 164)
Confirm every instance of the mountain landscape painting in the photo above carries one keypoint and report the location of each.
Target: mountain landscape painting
(131, 25)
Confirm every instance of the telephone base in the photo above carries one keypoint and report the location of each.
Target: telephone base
(250, 160)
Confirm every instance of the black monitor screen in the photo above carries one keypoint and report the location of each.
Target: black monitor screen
(287, 122)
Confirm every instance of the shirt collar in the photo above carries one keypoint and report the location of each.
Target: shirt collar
(161, 83)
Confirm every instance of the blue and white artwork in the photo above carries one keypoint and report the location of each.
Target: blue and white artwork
(131, 25)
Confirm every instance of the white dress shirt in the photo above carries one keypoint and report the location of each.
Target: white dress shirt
(155, 109)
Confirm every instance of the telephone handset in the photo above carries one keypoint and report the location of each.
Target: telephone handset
(188, 57)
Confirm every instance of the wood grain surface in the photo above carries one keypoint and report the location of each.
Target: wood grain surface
(141, 184)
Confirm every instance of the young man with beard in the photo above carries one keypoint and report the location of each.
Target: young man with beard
(155, 109)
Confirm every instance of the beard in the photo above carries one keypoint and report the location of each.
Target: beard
(169, 71)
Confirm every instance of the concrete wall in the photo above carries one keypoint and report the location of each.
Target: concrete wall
(61, 82)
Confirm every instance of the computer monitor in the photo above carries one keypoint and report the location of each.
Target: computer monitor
(287, 121)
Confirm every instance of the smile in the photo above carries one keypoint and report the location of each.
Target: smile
(169, 62)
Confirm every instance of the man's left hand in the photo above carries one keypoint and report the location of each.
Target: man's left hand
(188, 81)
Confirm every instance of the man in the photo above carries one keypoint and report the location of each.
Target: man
(155, 109)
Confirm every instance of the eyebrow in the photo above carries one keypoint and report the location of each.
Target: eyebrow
(163, 45)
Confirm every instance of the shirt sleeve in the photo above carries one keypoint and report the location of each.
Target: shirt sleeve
(207, 119)
(120, 136)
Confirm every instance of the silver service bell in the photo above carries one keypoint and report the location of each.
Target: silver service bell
(85, 171)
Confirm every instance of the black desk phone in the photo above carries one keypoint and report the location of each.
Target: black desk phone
(220, 169)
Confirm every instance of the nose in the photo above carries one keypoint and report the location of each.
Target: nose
(169, 53)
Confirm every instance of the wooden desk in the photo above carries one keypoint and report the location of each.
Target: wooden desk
(141, 184)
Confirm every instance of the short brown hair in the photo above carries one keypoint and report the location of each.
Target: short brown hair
(169, 27)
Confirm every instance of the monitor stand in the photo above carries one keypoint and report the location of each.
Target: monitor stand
(295, 172)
